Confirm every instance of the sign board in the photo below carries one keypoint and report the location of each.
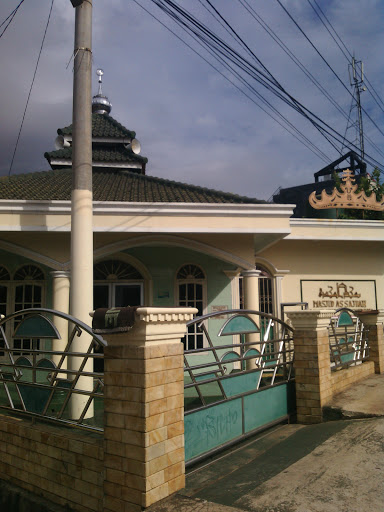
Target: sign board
(339, 293)
(217, 309)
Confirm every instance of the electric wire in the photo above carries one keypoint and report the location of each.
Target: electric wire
(291, 55)
(341, 41)
(301, 66)
(292, 102)
(30, 89)
(304, 139)
(10, 18)
(378, 99)
(329, 32)
(314, 148)
(325, 61)
(327, 131)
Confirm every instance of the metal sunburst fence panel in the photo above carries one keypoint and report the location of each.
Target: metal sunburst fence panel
(348, 339)
(243, 351)
(50, 372)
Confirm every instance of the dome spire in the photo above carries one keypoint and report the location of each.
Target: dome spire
(100, 102)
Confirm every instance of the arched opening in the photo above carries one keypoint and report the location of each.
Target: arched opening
(117, 284)
(192, 292)
(27, 293)
(266, 299)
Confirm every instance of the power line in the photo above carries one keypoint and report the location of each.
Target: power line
(293, 102)
(271, 84)
(377, 99)
(330, 33)
(291, 55)
(304, 139)
(10, 18)
(30, 89)
(325, 61)
(190, 24)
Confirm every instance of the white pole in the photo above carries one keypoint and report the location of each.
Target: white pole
(81, 295)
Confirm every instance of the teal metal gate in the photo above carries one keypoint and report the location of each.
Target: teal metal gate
(238, 379)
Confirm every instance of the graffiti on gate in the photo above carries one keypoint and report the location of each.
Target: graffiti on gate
(214, 427)
(205, 429)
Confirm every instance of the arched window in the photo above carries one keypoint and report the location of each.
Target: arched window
(117, 283)
(265, 291)
(191, 292)
(28, 293)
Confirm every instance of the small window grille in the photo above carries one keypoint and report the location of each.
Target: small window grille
(191, 293)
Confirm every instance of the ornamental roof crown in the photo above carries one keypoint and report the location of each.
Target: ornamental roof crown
(349, 197)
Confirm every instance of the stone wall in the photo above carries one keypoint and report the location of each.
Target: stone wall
(139, 458)
(62, 465)
(316, 384)
(344, 379)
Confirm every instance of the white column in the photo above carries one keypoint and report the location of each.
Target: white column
(251, 289)
(251, 301)
(60, 302)
(81, 218)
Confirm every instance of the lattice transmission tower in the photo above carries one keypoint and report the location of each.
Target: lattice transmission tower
(355, 119)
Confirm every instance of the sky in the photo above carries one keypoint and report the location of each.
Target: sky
(194, 126)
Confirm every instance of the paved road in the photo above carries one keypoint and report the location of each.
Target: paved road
(335, 467)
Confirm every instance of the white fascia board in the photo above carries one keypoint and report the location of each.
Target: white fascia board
(19, 206)
(146, 210)
(336, 229)
(146, 229)
(198, 230)
(154, 209)
(193, 209)
(108, 165)
(111, 140)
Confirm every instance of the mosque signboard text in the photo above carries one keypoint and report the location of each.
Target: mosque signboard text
(339, 293)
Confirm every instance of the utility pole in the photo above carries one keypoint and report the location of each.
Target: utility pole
(356, 80)
(81, 293)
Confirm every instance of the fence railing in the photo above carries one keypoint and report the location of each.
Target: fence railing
(258, 354)
(48, 374)
(348, 340)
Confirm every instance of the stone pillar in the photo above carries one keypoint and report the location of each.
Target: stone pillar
(251, 301)
(375, 323)
(60, 302)
(311, 363)
(144, 410)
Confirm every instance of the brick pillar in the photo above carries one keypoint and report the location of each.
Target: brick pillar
(375, 323)
(144, 410)
(311, 363)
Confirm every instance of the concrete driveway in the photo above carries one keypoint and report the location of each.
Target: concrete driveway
(335, 467)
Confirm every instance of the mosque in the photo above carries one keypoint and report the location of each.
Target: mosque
(163, 243)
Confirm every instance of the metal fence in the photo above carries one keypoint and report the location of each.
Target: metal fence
(44, 380)
(348, 340)
(261, 348)
(239, 382)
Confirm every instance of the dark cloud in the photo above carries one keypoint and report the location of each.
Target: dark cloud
(193, 125)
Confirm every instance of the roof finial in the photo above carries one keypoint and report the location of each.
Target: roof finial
(100, 73)
(100, 102)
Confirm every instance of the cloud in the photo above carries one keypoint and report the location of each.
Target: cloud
(194, 126)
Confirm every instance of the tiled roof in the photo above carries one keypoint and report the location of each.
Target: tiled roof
(103, 125)
(112, 185)
(103, 153)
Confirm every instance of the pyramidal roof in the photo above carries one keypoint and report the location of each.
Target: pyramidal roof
(103, 125)
(111, 146)
(113, 185)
